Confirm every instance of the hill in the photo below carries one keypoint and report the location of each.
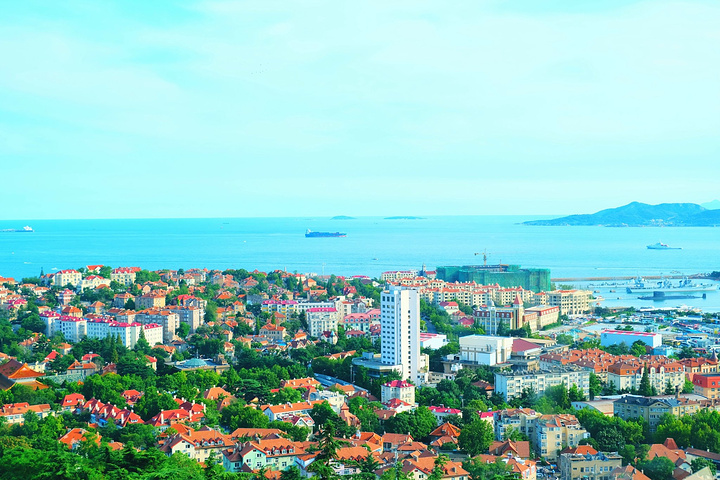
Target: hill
(638, 214)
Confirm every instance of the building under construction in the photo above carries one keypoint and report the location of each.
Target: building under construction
(535, 279)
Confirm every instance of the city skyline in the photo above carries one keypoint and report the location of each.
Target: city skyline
(192, 109)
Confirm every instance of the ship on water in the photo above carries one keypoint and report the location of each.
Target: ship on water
(25, 229)
(662, 246)
(665, 285)
(310, 234)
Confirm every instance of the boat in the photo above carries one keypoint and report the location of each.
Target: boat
(18, 230)
(665, 285)
(662, 246)
(311, 234)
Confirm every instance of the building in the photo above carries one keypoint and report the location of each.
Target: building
(169, 320)
(535, 279)
(67, 277)
(518, 419)
(555, 432)
(322, 319)
(399, 389)
(432, 340)
(627, 374)
(124, 275)
(192, 315)
(276, 333)
(74, 329)
(279, 306)
(485, 350)
(616, 337)
(651, 409)
(570, 302)
(512, 384)
(400, 337)
(590, 465)
(153, 333)
(153, 299)
(707, 385)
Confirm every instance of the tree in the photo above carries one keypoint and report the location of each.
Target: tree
(476, 437)
(700, 463)
(638, 348)
(595, 386)
(327, 453)
(183, 330)
(236, 416)
(688, 387)
(646, 388)
(575, 394)
(479, 470)
(659, 468)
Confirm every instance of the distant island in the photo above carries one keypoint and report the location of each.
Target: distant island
(343, 217)
(404, 218)
(638, 214)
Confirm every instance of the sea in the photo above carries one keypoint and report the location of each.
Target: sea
(372, 245)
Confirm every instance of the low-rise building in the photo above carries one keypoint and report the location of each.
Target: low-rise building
(554, 432)
(588, 466)
(512, 384)
(322, 319)
(707, 384)
(399, 389)
(518, 419)
(652, 409)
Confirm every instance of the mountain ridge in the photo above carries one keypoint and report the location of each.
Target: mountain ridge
(637, 214)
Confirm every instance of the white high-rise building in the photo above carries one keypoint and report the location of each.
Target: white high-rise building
(400, 335)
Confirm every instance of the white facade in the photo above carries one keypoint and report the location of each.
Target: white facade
(92, 282)
(127, 332)
(51, 322)
(512, 384)
(153, 333)
(124, 276)
(485, 350)
(616, 337)
(400, 337)
(63, 277)
(322, 320)
(73, 328)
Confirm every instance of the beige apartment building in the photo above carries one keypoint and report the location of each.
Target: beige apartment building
(588, 466)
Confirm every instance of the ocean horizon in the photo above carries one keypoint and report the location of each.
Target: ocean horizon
(372, 245)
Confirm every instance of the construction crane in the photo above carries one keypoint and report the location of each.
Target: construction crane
(485, 256)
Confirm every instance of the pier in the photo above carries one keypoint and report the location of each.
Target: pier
(612, 279)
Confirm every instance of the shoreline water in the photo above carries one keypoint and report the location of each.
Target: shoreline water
(373, 245)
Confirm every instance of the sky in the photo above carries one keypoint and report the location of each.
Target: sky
(134, 109)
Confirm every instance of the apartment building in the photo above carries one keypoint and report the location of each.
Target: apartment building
(65, 277)
(512, 384)
(652, 409)
(570, 302)
(322, 319)
(519, 419)
(400, 337)
(555, 432)
(627, 374)
(124, 275)
(399, 389)
(153, 299)
(591, 465)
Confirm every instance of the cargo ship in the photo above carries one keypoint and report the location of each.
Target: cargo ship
(311, 234)
(18, 230)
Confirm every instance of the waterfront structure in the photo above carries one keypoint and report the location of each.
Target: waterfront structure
(512, 384)
(535, 279)
(616, 337)
(585, 463)
(400, 333)
(652, 409)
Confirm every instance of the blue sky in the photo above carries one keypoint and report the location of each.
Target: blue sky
(267, 108)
